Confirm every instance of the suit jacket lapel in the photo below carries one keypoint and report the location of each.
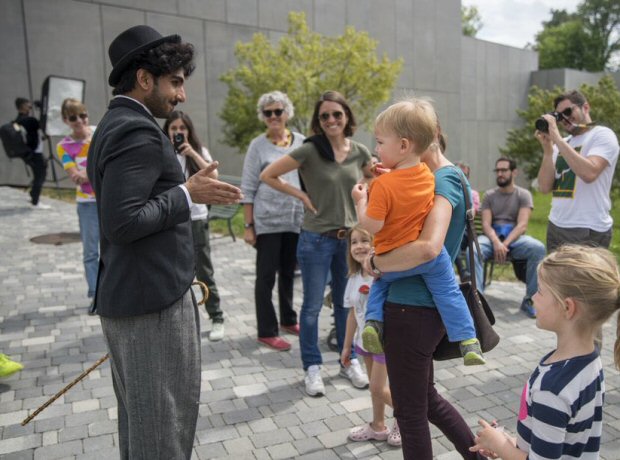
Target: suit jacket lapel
(131, 104)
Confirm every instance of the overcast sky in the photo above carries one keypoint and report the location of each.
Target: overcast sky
(516, 22)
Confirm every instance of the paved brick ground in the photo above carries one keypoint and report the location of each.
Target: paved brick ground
(252, 403)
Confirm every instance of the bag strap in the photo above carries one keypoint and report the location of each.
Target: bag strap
(472, 237)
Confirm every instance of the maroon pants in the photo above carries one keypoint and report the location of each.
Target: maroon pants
(411, 335)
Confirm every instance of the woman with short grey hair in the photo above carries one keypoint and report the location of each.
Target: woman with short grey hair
(272, 220)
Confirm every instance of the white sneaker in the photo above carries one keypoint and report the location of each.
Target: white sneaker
(217, 332)
(314, 382)
(355, 374)
(41, 206)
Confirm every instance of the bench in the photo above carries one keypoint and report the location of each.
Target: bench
(226, 211)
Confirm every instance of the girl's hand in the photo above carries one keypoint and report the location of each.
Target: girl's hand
(489, 440)
(345, 356)
(186, 150)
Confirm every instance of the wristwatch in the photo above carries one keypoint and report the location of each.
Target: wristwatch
(375, 270)
(248, 225)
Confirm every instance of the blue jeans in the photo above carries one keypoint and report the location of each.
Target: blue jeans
(318, 256)
(89, 232)
(524, 248)
(439, 278)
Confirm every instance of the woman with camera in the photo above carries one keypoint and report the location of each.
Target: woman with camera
(193, 157)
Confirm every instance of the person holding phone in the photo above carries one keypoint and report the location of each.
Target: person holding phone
(193, 157)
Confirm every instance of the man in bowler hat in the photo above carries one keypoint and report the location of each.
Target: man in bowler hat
(149, 316)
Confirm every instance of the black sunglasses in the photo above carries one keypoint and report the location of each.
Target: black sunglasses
(276, 112)
(325, 115)
(73, 118)
(568, 111)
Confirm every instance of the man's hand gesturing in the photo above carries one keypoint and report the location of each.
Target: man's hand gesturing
(205, 190)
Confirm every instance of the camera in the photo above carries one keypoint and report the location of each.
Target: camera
(543, 126)
(177, 140)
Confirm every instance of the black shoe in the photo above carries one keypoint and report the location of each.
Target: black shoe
(92, 310)
(528, 308)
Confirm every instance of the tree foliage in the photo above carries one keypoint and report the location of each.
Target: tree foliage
(304, 64)
(588, 39)
(604, 100)
(471, 20)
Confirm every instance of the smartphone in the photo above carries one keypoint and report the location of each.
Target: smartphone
(178, 139)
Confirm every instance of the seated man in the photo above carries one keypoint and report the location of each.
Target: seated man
(506, 211)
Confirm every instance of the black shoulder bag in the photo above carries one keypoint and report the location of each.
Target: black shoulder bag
(478, 306)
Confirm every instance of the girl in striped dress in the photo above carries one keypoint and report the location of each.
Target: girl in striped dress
(562, 402)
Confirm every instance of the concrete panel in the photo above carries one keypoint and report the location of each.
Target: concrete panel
(191, 30)
(220, 40)
(77, 54)
(359, 14)
(214, 10)
(423, 46)
(159, 6)
(14, 81)
(243, 12)
(273, 14)
(329, 16)
(404, 39)
(448, 45)
(469, 77)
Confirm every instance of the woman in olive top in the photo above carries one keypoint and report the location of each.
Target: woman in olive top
(329, 163)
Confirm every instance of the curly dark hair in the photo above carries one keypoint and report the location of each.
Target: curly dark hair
(161, 60)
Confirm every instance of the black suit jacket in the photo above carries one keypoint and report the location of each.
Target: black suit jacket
(147, 260)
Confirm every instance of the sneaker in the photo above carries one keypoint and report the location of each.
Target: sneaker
(277, 343)
(355, 374)
(314, 382)
(217, 332)
(8, 366)
(41, 206)
(294, 329)
(372, 337)
(394, 438)
(92, 310)
(471, 352)
(528, 308)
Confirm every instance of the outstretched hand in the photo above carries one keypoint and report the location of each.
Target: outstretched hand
(360, 191)
(205, 190)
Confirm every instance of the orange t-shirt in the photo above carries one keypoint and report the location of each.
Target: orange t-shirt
(402, 199)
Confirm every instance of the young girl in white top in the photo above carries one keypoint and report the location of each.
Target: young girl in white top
(562, 403)
(355, 298)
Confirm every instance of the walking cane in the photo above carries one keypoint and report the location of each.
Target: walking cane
(99, 362)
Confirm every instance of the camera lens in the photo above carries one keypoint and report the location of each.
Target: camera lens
(542, 125)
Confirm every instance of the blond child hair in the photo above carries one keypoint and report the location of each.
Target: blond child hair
(71, 106)
(414, 119)
(590, 277)
(354, 265)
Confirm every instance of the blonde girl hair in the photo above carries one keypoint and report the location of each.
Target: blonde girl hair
(590, 277)
(354, 266)
(414, 119)
(71, 106)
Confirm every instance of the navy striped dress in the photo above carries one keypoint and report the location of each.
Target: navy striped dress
(562, 409)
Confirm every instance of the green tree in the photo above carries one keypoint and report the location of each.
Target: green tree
(304, 64)
(470, 20)
(604, 100)
(587, 39)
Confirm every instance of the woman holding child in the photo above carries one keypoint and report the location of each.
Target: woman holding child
(329, 163)
(412, 324)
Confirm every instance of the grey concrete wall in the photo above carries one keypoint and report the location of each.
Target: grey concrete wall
(565, 78)
(476, 85)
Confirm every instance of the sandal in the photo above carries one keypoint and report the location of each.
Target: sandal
(394, 438)
(366, 433)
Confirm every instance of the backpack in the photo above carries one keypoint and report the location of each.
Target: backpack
(13, 136)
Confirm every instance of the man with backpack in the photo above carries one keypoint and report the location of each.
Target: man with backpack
(35, 160)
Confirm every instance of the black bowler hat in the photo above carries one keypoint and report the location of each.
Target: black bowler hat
(130, 43)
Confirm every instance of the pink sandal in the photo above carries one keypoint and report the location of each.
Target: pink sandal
(394, 438)
(366, 433)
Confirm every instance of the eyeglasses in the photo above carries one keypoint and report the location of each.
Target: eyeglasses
(73, 118)
(568, 111)
(501, 170)
(325, 115)
(276, 112)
